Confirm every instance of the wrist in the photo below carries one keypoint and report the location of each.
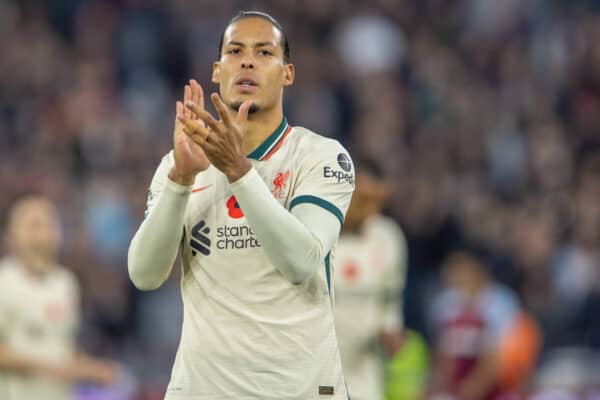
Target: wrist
(181, 179)
(240, 169)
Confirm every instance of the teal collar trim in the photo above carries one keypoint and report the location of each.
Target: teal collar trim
(270, 142)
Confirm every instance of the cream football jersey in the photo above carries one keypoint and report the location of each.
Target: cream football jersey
(39, 318)
(369, 275)
(248, 333)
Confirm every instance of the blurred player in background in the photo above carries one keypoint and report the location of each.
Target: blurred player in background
(370, 270)
(477, 323)
(257, 206)
(39, 311)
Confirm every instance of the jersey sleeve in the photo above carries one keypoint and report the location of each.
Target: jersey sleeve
(394, 278)
(158, 181)
(9, 297)
(73, 293)
(326, 179)
(5, 315)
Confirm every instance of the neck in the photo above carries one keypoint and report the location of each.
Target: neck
(260, 126)
(352, 227)
(35, 264)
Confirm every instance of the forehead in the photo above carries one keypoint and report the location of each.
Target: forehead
(252, 30)
(33, 209)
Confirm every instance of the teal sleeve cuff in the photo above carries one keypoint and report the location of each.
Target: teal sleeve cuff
(319, 202)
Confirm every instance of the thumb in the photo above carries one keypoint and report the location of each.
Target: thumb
(242, 117)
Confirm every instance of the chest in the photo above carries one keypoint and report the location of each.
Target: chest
(360, 263)
(41, 311)
(463, 332)
(215, 223)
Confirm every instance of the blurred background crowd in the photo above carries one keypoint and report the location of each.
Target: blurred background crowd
(484, 114)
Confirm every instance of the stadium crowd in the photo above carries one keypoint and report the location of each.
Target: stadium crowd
(485, 115)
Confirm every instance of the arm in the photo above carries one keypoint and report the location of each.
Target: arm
(155, 244)
(80, 368)
(154, 247)
(15, 362)
(11, 361)
(295, 245)
(296, 242)
(394, 280)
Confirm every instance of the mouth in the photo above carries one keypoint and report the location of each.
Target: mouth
(246, 84)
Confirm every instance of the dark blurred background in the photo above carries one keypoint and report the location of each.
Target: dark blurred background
(485, 114)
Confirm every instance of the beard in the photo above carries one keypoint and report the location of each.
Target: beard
(237, 104)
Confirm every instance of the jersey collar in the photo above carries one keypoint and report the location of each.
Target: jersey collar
(271, 143)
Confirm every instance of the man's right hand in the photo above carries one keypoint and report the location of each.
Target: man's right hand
(80, 369)
(189, 156)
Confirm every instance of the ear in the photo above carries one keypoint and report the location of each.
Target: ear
(288, 74)
(216, 75)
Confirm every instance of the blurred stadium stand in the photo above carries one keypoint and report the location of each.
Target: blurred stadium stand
(485, 113)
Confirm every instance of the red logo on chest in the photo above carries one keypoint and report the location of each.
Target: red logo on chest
(280, 183)
(55, 311)
(233, 208)
(350, 271)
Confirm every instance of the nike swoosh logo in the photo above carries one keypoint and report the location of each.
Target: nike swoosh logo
(201, 188)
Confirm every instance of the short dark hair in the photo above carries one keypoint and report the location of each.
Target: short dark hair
(259, 14)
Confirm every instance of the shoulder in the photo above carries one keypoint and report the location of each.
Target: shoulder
(64, 281)
(386, 231)
(313, 145)
(385, 226)
(498, 298)
(66, 276)
(9, 270)
(445, 305)
(10, 276)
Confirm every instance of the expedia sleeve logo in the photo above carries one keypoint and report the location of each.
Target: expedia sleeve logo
(343, 175)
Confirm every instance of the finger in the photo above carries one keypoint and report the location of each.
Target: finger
(193, 126)
(221, 108)
(198, 138)
(187, 96)
(242, 117)
(179, 109)
(211, 146)
(206, 117)
(198, 97)
(194, 108)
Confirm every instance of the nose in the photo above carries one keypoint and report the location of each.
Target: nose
(247, 62)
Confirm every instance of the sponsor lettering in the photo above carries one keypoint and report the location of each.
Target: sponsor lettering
(338, 175)
(236, 237)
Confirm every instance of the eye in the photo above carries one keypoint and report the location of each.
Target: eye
(234, 51)
(265, 53)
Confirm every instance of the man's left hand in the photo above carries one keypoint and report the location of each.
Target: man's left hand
(223, 140)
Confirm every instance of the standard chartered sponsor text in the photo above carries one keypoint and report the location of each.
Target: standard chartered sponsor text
(236, 237)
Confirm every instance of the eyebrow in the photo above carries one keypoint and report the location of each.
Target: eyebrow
(258, 44)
